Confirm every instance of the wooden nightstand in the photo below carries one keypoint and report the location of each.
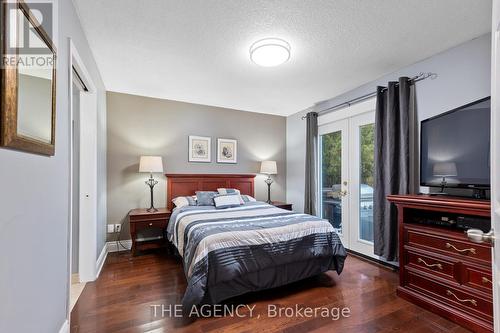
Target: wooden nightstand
(140, 220)
(282, 205)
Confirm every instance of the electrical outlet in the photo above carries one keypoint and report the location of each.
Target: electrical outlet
(111, 228)
(118, 227)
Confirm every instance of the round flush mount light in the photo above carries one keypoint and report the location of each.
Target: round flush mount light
(270, 52)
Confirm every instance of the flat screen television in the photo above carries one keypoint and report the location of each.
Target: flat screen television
(455, 148)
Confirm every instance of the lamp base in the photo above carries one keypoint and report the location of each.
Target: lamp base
(269, 181)
(151, 183)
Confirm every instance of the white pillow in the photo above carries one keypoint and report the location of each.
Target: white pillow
(184, 201)
(227, 201)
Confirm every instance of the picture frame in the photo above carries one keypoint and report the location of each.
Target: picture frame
(227, 151)
(199, 149)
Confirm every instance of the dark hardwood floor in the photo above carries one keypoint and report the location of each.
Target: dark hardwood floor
(121, 301)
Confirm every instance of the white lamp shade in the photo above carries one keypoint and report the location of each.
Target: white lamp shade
(445, 169)
(269, 168)
(151, 164)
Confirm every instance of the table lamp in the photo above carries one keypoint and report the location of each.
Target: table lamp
(151, 164)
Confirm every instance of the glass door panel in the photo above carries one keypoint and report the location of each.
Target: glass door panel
(367, 154)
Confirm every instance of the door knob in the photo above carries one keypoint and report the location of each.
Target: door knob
(478, 236)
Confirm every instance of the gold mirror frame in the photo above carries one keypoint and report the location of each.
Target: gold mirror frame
(9, 83)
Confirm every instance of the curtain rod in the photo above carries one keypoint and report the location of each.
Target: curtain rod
(416, 78)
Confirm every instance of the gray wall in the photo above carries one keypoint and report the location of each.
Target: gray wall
(464, 76)
(34, 203)
(147, 126)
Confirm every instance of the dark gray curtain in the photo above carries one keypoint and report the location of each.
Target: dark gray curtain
(392, 169)
(311, 188)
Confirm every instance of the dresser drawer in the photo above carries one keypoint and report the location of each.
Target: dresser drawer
(148, 224)
(462, 249)
(437, 266)
(453, 296)
(139, 218)
(477, 278)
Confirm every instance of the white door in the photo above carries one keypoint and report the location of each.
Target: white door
(495, 157)
(361, 179)
(334, 176)
(494, 235)
(346, 179)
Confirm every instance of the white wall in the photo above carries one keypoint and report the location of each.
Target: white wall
(464, 76)
(34, 206)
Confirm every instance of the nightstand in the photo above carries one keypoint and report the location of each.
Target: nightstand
(142, 221)
(282, 205)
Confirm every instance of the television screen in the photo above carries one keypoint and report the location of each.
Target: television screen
(455, 147)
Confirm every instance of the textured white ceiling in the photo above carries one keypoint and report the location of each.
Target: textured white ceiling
(197, 50)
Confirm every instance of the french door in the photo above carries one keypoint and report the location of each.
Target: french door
(347, 179)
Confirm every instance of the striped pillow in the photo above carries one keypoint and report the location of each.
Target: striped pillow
(205, 198)
(184, 201)
(227, 201)
(228, 191)
(247, 198)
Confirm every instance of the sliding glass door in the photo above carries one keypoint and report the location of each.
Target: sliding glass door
(347, 179)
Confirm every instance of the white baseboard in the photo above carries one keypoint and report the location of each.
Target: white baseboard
(101, 260)
(64, 327)
(115, 247)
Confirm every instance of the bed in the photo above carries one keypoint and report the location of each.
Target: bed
(255, 246)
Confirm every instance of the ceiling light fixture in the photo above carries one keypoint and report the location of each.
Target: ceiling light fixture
(270, 52)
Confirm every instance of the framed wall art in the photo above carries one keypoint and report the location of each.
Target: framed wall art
(199, 149)
(227, 151)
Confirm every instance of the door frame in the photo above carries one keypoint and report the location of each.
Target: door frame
(88, 175)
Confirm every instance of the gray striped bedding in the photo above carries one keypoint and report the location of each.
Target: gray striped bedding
(256, 246)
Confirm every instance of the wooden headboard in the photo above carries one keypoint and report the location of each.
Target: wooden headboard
(188, 184)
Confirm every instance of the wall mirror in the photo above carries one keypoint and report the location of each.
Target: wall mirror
(28, 86)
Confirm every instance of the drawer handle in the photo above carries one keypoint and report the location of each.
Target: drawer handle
(472, 301)
(150, 224)
(451, 246)
(439, 266)
(486, 280)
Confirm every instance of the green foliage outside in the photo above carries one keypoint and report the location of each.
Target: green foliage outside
(331, 159)
(332, 155)
(367, 154)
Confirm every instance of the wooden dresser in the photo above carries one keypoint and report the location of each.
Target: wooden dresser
(440, 269)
